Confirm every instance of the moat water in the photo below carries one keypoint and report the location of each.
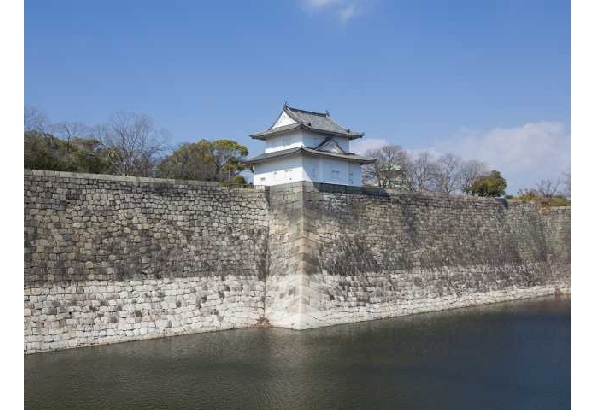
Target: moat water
(513, 355)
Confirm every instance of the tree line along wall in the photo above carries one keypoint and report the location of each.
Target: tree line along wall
(110, 259)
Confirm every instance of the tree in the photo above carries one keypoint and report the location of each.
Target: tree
(189, 161)
(44, 151)
(69, 130)
(36, 120)
(218, 161)
(547, 193)
(41, 152)
(422, 171)
(566, 177)
(239, 180)
(395, 168)
(236, 181)
(390, 168)
(470, 171)
(548, 188)
(490, 185)
(91, 156)
(135, 144)
(448, 173)
(227, 157)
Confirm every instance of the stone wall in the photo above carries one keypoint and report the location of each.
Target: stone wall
(110, 259)
(371, 254)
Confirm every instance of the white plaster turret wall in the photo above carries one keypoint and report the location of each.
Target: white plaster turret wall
(308, 169)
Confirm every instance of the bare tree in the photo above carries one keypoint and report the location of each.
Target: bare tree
(69, 130)
(36, 120)
(422, 171)
(395, 168)
(470, 171)
(134, 143)
(389, 169)
(548, 188)
(566, 180)
(448, 173)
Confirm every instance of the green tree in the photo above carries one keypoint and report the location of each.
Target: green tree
(44, 151)
(239, 180)
(217, 161)
(90, 155)
(490, 185)
(189, 161)
(227, 157)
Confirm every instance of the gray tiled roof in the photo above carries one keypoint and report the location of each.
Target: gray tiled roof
(330, 145)
(314, 121)
(308, 151)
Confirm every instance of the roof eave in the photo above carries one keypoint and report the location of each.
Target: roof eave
(351, 136)
(311, 152)
(259, 136)
(360, 160)
(274, 133)
(295, 151)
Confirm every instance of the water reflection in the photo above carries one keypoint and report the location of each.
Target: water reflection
(513, 355)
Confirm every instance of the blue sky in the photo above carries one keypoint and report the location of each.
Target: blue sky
(484, 79)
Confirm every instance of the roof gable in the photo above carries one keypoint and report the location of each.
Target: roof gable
(317, 122)
(283, 119)
(330, 145)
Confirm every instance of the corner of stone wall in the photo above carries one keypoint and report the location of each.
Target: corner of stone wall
(308, 231)
(291, 257)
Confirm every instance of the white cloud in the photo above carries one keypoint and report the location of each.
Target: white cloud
(525, 155)
(347, 12)
(319, 4)
(344, 10)
(364, 144)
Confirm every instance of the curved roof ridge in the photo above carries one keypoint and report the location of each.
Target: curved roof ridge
(322, 114)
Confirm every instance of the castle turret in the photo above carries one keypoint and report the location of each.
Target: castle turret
(307, 146)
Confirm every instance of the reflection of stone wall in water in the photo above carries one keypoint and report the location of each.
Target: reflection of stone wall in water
(110, 259)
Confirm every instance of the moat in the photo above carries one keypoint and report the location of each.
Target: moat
(513, 355)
